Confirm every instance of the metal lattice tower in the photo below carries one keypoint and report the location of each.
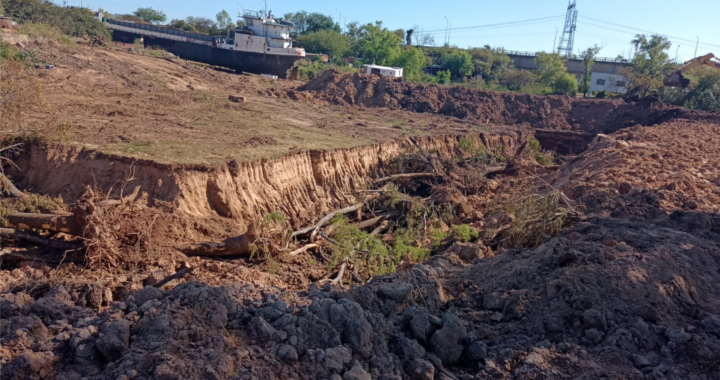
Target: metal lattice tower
(568, 37)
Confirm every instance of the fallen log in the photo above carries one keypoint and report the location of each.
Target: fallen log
(39, 240)
(8, 186)
(371, 222)
(407, 175)
(49, 222)
(234, 246)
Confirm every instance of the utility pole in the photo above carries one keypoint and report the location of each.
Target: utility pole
(446, 30)
(449, 30)
(676, 53)
(554, 39)
(696, 46)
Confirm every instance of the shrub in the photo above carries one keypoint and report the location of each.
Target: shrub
(76, 22)
(541, 156)
(535, 217)
(601, 94)
(443, 77)
(465, 233)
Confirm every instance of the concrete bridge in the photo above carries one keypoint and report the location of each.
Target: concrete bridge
(526, 60)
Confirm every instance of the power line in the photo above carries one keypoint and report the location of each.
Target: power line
(494, 25)
(436, 33)
(639, 30)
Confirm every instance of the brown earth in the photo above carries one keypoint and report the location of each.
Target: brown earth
(628, 288)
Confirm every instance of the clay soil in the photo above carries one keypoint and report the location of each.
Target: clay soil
(627, 288)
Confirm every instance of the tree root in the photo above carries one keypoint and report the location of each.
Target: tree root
(303, 249)
(407, 175)
(39, 240)
(8, 186)
(178, 274)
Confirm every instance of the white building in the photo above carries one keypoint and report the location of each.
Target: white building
(608, 82)
(384, 71)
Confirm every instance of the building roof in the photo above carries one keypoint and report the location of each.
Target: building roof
(383, 67)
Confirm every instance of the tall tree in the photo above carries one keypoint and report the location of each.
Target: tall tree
(311, 22)
(409, 36)
(550, 67)
(224, 21)
(150, 15)
(325, 41)
(650, 63)
(377, 44)
(489, 62)
(588, 58)
(459, 62)
(412, 60)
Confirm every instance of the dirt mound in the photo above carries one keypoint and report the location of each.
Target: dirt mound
(544, 112)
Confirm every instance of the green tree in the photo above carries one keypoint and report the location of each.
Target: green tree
(311, 22)
(377, 44)
(550, 67)
(515, 80)
(565, 84)
(588, 57)
(443, 76)
(150, 15)
(702, 93)
(326, 41)
(224, 21)
(202, 25)
(650, 63)
(459, 62)
(412, 61)
(490, 63)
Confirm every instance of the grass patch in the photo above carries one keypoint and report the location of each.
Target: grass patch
(533, 218)
(47, 32)
(137, 147)
(465, 233)
(541, 156)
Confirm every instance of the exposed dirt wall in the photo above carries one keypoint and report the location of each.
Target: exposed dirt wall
(301, 185)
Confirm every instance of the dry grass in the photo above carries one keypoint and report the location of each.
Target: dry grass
(534, 217)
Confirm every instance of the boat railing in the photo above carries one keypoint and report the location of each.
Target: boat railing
(158, 29)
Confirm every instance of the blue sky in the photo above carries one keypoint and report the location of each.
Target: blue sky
(611, 23)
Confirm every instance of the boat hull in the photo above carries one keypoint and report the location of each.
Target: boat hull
(255, 63)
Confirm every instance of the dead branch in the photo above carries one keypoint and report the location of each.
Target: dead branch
(234, 246)
(407, 175)
(326, 219)
(302, 249)
(38, 240)
(48, 222)
(7, 254)
(178, 274)
(10, 187)
(371, 222)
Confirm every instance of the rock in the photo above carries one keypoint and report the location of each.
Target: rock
(273, 311)
(419, 369)
(148, 293)
(467, 252)
(265, 331)
(476, 351)
(624, 188)
(114, 340)
(445, 343)
(692, 205)
(155, 277)
(81, 335)
(420, 325)
(358, 335)
(343, 312)
(394, 291)
(594, 335)
(287, 353)
(496, 316)
(317, 333)
(322, 307)
(409, 349)
(677, 335)
(237, 99)
(647, 313)
(495, 301)
(642, 361)
(594, 318)
(30, 365)
(14, 304)
(337, 358)
(554, 323)
(357, 372)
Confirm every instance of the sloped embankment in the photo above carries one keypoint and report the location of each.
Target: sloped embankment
(301, 186)
(546, 112)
